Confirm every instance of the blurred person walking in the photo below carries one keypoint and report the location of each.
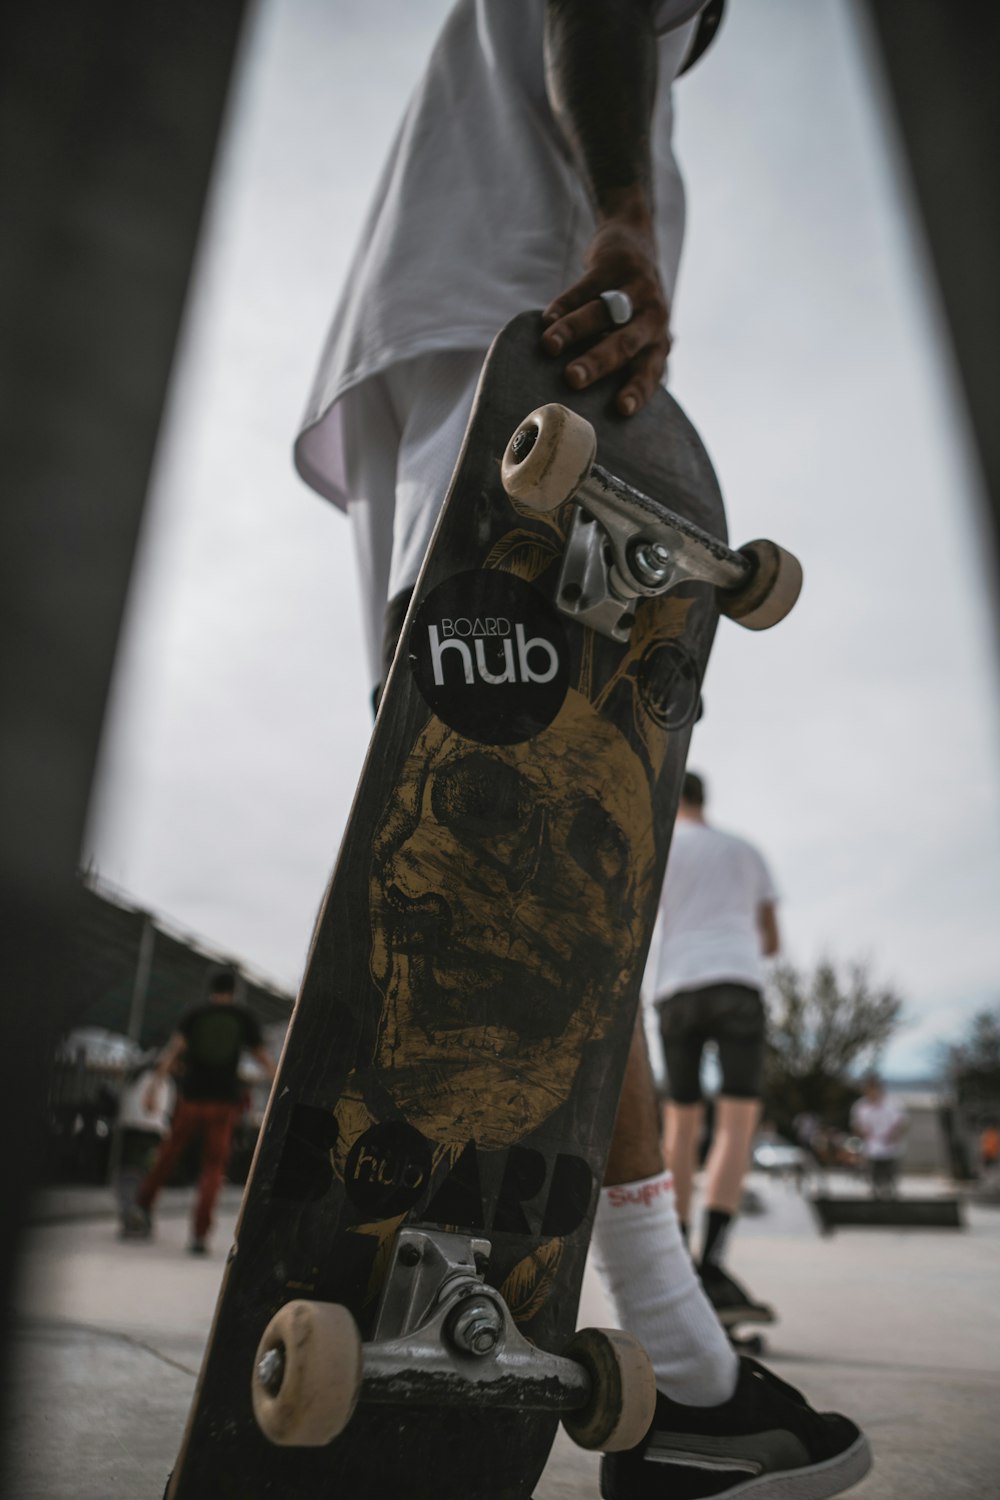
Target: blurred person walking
(207, 1048)
(716, 924)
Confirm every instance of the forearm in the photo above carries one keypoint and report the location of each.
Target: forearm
(767, 926)
(601, 72)
(159, 1075)
(168, 1061)
(601, 67)
(266, 1061)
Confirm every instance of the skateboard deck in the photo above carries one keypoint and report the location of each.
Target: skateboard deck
(457, 1049)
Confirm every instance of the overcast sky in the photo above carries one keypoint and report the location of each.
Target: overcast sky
(857, 744)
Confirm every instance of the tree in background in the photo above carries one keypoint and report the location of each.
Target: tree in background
(823, 1027)
(973, 1064)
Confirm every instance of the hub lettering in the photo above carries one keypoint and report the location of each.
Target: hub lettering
(537, 660)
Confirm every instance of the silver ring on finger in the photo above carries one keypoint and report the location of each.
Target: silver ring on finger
(619, 306)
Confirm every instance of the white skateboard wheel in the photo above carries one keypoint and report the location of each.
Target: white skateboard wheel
(307, 1374)
(771, 592)
(623, 1390)
(548, 458)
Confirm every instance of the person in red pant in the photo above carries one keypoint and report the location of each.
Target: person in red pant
(209, 1042)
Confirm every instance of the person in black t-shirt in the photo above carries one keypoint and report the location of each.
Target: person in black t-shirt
(208, 1043)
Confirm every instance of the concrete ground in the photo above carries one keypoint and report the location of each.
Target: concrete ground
(899, 1329)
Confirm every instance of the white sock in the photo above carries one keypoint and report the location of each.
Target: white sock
(645, 1265)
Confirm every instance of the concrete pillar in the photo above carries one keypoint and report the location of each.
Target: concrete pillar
(140, 984)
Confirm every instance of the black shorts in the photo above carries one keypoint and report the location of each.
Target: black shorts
(731, 1016)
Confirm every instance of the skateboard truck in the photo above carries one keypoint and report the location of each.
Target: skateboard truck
(443, 1337)
(624, 546)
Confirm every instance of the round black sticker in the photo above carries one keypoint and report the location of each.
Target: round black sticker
(489, 655)
(668, 682)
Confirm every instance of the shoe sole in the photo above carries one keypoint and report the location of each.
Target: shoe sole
(732, 1317)
(818, 1482)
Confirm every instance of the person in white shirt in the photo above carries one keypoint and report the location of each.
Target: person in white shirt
(717, 923)
(882, 1124)
(534, 168)
(536, 145)
(142, 1122)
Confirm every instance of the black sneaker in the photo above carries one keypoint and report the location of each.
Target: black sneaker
(198, 1247)
(733, 1303)
(766, 1442)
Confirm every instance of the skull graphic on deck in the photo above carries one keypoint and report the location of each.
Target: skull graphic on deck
(505, 892)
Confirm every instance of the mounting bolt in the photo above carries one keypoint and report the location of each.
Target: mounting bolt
(522, 442)
(650, 562)
(477, 1327)
(271, 1369)
(409, 1255)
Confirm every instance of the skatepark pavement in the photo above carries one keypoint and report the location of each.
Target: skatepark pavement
(898, 1328)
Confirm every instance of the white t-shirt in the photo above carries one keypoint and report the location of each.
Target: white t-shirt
(874, 1120)
(479, 213)
(707, 928)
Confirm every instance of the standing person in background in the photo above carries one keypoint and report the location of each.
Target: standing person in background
(989, 1148)
(208, 1046)
(881, 1123)
(717, 923)
(144, 1112)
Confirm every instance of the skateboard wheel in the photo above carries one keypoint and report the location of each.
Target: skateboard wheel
(623, 1390)
(548, 458)
(772, 590)
(307, 1374)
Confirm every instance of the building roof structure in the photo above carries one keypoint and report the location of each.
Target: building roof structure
(136, 974)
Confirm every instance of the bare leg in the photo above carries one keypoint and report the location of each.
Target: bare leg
(735, 1124)
(636, 1152)
(682, 1127)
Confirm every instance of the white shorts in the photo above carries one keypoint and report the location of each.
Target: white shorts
(400, 435)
